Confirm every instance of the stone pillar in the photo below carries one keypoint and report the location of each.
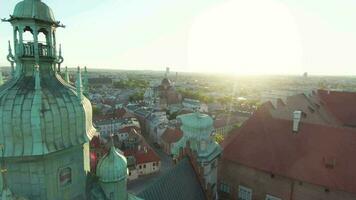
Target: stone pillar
(35, 44)
(53, 33)
(20, 47)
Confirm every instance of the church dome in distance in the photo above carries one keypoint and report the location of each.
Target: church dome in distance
(166, 82)
(112, 167)
(34, 9)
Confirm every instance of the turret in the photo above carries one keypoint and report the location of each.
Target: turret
(86, 83)
(34, 29)
(46, 125)
(112, 173)
(66, 75)
(79, 85)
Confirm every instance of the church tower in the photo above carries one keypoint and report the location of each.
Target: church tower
(45, 123)
(198, 132)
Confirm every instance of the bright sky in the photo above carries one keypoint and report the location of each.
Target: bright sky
(227, 36)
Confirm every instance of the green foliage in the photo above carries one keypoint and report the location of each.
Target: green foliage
(96, 111)
(219, 138)
(138, 96)
(199, 95)
(131, 84)
(226, 100)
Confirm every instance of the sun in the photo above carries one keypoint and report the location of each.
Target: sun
(245, 37)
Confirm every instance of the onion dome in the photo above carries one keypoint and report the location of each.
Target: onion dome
(33, 9)
(42, 114)
(112, 167)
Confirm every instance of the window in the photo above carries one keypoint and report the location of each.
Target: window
(65, 176)
(270, 197)
(224, 188)
(244, 193)
(154, 164)
(140, 166)
(144, 166)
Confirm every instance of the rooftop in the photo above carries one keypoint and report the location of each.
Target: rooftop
(181, 182)
(319, 153)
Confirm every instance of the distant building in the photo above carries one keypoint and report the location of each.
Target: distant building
(100, 81)
(156, 123)
(112, 126)
(302, 149)
(147, 160)
(169, 139)
(162, 96)
(224, 124)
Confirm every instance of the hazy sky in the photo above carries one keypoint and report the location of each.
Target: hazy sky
(230, 36)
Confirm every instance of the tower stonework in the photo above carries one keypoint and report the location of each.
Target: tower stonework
(198, 133)
(45, 125)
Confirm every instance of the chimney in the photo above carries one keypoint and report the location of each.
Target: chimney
(297, 115)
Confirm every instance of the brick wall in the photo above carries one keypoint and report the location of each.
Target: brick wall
(263, 183)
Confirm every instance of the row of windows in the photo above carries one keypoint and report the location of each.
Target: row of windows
(244, 193)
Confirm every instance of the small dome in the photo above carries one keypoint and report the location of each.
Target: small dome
(33, 9)
(196, 124)
(112, 167)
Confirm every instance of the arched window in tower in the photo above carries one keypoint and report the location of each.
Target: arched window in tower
(42, 38)
(65, 176)
(16, 34)
(27, 37)
(42, 42)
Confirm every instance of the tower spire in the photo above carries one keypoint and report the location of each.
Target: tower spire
(79, 84)
(60, 58)
(86, 82)
(66, 75)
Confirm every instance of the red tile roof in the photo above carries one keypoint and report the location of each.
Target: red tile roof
(120, 113)
(340, 104)
(172, 135)
(268, 144)
(142, 156)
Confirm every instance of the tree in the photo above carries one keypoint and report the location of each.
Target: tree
(138, 96)
(219, 138)
(96, 111)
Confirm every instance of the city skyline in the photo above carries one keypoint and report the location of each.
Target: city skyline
(226, 36)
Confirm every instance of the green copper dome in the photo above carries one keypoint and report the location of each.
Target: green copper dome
(112, 167)
(196, 125)
(38, 117)
(34, 9)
